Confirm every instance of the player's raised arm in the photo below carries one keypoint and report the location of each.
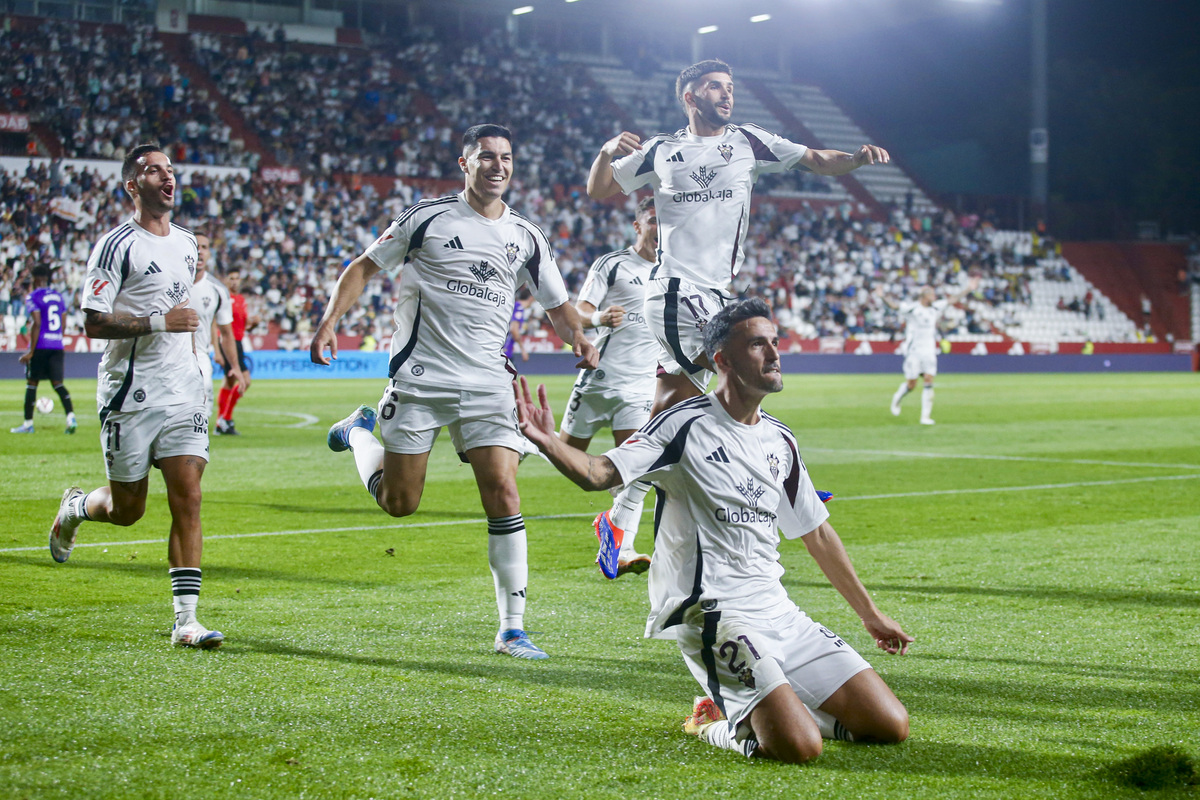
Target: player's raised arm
(569, 327)
(601, 184)
(826, 548)
(349, 288)
(835, 162)
(592, 473)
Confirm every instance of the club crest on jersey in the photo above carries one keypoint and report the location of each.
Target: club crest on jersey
(751, 492)
(726, 151)
(704, 176)
(511, 249)
(177, 292)
(773, 463)
(191, 264)
(746, 677)
(482, 272)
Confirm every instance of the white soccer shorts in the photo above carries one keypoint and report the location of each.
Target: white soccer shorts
(918, 364)
(738, 661)
(133, 441)
(676, 313)
(410, 419)
(589, 410)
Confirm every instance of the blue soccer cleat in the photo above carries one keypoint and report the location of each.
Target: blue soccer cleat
(193, 634)
(825, 496)
(339, 435)
(610, 537)
(515, 642)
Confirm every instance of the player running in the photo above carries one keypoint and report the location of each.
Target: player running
(46, 311)
(776, 682)
(211, 300)
(620, 391)
(702, 177)
(462, 258)
(920, 347)
(151, 396)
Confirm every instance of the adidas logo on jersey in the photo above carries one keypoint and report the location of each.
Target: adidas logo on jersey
(677, 158)
(152, 269)
(454, 244)
(637, 281)
(718, 456)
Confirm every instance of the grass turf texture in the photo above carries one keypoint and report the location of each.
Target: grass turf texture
(1057, 627)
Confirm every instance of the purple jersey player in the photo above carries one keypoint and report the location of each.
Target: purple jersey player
(520, 316)
(46, 311)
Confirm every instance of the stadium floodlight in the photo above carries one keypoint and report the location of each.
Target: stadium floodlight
(516, 12)
(707, 29)
(760, 18)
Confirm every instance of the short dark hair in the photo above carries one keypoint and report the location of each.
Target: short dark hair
(694, 73)
(40, 271)
(488, 130)
(129, 165)
(644, 206)
(719, 327)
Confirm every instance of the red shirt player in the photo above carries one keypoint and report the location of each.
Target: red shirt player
(231, 392)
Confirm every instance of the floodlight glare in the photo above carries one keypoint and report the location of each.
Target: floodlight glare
(522, 10)
(760, 18)
(707, 29)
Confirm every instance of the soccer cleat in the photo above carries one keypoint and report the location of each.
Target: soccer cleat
(610, 537)
(927, 421)
(895, 408)
(824, 497)
(24, 427)
(225, 428)
(339, 434)
(62, 532)
(193, 634)
(515, 642)
(704, 713)
(637, 563)
(71, 424)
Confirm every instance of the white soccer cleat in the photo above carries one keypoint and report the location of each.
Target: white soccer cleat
(927, 421)
(193, 634)
(631, 562)
(24, 427)
(895, 408)
(62, 532)
(516, 643)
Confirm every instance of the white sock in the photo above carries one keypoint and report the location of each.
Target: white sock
(627, 507)
(926, 402)
(368, 457)
(723, 734)
(507, 556)
(185, 593)
(900, 393)
(830, 728)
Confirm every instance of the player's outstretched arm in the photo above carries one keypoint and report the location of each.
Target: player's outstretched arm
(349, 288)
(826, 548)
(592, 473)
(113, 325)
(601, 184)
(569, 327)
(835, 162)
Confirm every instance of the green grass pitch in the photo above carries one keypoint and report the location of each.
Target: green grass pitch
(1042, 542)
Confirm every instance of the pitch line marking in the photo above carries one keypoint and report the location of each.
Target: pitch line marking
(1042, 459)
(481, 520)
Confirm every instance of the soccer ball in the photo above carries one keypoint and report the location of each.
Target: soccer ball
(45, 405)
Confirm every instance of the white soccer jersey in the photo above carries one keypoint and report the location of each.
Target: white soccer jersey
(702, 187)
(211, 300)
(920, 327)
(133, 271)
(628, 352)
(459, 273)
(725, 491)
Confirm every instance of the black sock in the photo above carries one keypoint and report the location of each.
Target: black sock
(65, 396)
(30, 399)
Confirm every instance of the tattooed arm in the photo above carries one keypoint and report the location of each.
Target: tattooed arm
(115, 325)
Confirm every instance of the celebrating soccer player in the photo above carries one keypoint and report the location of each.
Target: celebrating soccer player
(462, 258)
(137, 296)
(776, 682)
(702, 178)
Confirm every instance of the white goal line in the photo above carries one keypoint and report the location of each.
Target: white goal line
(483, 520)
